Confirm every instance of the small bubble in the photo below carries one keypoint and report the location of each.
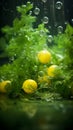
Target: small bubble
(50, 38)
(42, 33)
(30, 12)
(60, 29)
(44, 1)
(35, 67)
(23, 6)
(27, 37)
(40, 73)
(15, 55)
(59, 5)
(72, 21)
(45, 20)
(36, 11)
(28, 2)
(19, 34)
(49, 27)
(12, 58)
(66, 22)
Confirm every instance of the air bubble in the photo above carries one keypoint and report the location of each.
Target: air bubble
(30, 12)
(66, 22)
(72, 21)
(35, 68)
(24, 6)
(45, 20)
(49, 27)
(50, 38)
(15, 55)
(60, 29)
(28, 2)
(36, 11)
(11, 59)
(44, 1)
(59, 5)
(40, 73)
(42, 33)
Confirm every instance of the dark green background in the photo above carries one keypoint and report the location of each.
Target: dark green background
(8, 10)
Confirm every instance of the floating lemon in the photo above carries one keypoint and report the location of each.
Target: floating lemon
(44, 56)
(52, 70)
(29, 86)
(3, 85)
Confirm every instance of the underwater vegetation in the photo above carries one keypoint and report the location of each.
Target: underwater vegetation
(31, 58)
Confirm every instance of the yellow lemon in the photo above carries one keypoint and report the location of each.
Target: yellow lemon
(3, 85)
(44, 56)
(29, 86)
(52, 70)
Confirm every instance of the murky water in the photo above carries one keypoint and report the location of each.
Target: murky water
(36, 115)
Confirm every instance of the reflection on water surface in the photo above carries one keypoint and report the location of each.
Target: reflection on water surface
(29, 115)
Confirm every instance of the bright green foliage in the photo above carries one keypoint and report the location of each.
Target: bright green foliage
(65, 44)
(63, 56)
(23, 43)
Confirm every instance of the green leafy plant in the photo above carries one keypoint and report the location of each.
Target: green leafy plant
(23, 42)
(62, 55)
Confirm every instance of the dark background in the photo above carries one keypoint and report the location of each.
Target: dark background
(8, 10)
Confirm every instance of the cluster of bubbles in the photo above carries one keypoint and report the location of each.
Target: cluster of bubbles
(37, 11)
(45, 19)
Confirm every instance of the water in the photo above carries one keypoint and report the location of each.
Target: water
(33, 115)
(39, 112)
(43, 10)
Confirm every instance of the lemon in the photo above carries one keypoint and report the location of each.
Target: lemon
(29, 86)
(52, 70)
(3, 85)
(44, 56)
